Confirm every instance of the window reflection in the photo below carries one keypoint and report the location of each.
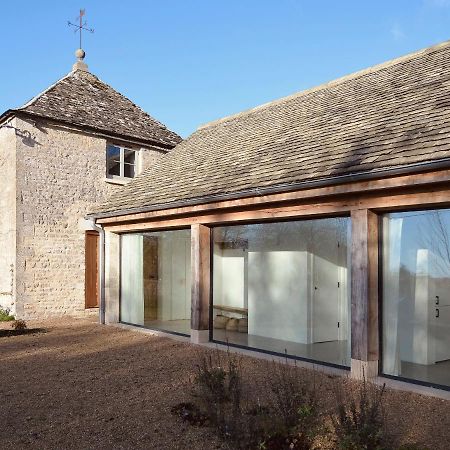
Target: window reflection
(120, 162)
(416, 295)
(129, 163)
(155, 288)
(113, 160)
(284, 287)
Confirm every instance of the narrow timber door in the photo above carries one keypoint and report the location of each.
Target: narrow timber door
(326, 305)
(151, 275)
(91, 271)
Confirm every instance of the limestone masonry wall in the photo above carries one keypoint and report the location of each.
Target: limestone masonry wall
(7, 216)
(60, 175)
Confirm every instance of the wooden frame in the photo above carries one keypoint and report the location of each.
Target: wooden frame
(344, 196)
(122, 163)
(200, 277)
(364, 286)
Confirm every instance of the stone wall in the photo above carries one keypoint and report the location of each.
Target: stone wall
(60, 175)
(7, 216)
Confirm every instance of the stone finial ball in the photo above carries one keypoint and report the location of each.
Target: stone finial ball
(80, 53)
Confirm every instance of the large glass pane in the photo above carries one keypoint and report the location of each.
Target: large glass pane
(113, 160)
(156, 280)
(284, 287)
(416, 295)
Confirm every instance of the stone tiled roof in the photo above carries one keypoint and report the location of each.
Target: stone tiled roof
(392, 115)
(81, 99)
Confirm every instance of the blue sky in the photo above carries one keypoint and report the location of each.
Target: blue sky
(188, 62)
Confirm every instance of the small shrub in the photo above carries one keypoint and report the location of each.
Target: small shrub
(19, 325)
(359, 422)
(289, 420)
(5, 316)
(219, 391)
(218, 383)
(294, 406)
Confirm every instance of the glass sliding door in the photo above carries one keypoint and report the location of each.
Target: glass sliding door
(155, 283)
(416, 295)
(284, 288)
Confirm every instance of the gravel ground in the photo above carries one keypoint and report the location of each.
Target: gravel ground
(80, 385)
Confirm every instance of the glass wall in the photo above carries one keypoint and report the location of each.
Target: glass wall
(416, 295)
(155, 283)
(284, 287)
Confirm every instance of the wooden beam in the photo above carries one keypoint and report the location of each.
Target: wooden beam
(200, 276)
(364, 286)
(380, 186)
(428, 197)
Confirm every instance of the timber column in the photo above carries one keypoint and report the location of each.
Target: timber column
(364, 295)
(200, 279)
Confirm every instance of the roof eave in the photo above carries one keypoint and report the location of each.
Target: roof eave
(278, 189)
(94, 130)
(6, 115)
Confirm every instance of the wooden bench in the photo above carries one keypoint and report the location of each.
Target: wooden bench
(231, 309)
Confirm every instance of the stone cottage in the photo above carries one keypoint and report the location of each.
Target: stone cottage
(61, 153)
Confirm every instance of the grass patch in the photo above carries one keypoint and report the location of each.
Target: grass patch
(5, 316)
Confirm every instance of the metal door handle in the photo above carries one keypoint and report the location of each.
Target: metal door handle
(437, 312)
(437, 299)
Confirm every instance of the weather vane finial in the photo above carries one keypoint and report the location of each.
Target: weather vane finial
(80, 26)
(80, 53)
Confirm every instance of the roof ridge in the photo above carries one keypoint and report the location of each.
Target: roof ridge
(331, 83)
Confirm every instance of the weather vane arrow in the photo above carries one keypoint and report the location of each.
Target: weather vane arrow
(80, 26)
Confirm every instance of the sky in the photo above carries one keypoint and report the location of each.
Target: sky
(188, 62)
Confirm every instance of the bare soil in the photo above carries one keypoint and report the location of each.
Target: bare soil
(79, 385)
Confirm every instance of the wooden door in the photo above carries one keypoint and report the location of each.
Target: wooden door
(91, 270)
(150, 269)
(325, 300)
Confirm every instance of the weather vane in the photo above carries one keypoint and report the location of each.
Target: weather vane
(81, 26)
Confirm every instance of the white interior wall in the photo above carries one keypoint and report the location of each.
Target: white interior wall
(229, 288)
(278, 287)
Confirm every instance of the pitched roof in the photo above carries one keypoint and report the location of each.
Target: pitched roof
(393, 115)
(82, 100)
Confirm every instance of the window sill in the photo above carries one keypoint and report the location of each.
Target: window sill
(121, 181)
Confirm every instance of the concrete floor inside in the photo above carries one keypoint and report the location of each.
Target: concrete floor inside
(334, 352)
(172, 326)
(438, 373)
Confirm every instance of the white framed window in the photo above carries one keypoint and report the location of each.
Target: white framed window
(121, 162)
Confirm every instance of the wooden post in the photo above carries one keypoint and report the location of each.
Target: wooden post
(364, 294)
(200, 288)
